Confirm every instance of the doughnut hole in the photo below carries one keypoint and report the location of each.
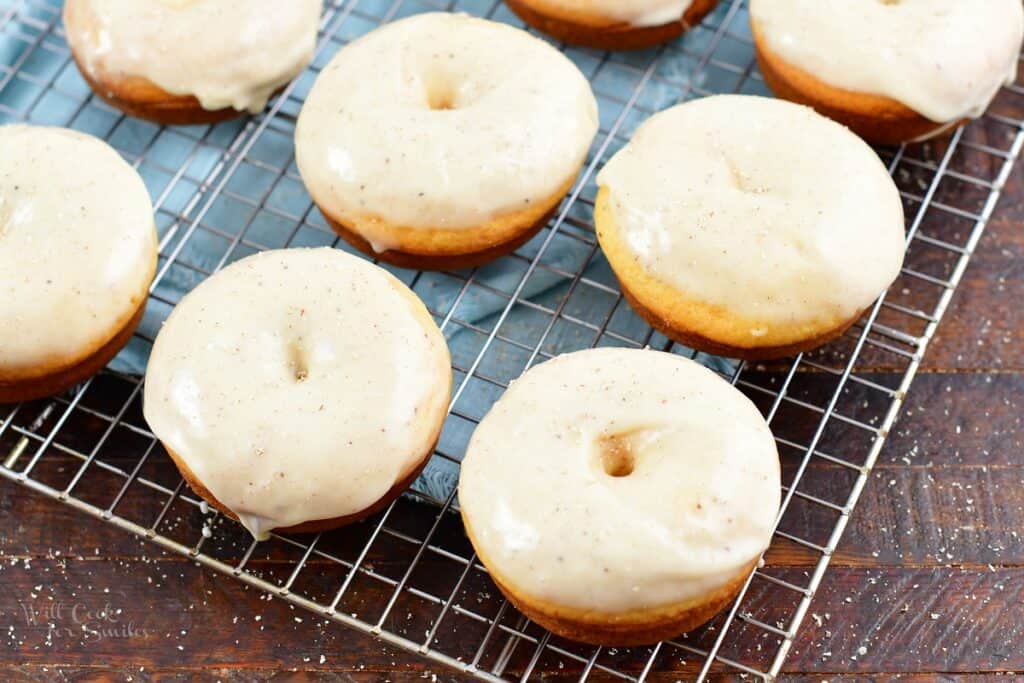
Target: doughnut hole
(450, 84)
(298, 363)
(441, 94)
(743, 181)
(616, 453)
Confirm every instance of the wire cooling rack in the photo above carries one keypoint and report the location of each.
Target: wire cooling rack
(408, 575)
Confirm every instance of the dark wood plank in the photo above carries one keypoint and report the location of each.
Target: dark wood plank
(885, 677)
(934, 619)
(982, 328)
(158, 614)
(973, 419)
(79, 674)
(915, 620)
(916, 516)
(184, 674)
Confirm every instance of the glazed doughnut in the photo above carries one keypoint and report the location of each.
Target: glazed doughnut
(749, 227)
(444, 141)
(618, 496)
(77, 255)
(612, 24)
(892, 70)
(298, 389)
(190, 61)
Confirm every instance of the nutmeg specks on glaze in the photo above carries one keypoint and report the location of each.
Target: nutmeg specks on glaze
(611, 480)
(442, 121)
(77, 247)
(307, 363)
(758, 206)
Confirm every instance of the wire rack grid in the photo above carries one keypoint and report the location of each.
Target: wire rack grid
(408, 575)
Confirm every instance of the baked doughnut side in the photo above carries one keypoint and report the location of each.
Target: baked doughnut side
(636, 627)
(446, 248)
(132, 91)
(679, 317)
(577, 28)
(134, 95)
(314, 525)
(51, 380)
(142, 99)
(678, 332)
(876, 118)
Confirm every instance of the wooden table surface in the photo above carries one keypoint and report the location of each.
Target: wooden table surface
(928, 581)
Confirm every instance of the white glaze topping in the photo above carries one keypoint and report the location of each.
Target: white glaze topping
(699, 504)
(298, 385)
(443, 121)
(761, 206)
(945, 59)
(633, 12)
(77, 247)
(226, 53)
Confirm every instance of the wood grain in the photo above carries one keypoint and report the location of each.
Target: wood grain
(984, 327)
(929, 619)
(165, 614)
(185, 674)
(969, 619)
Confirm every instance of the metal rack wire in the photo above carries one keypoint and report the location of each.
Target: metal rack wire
(408, 575)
